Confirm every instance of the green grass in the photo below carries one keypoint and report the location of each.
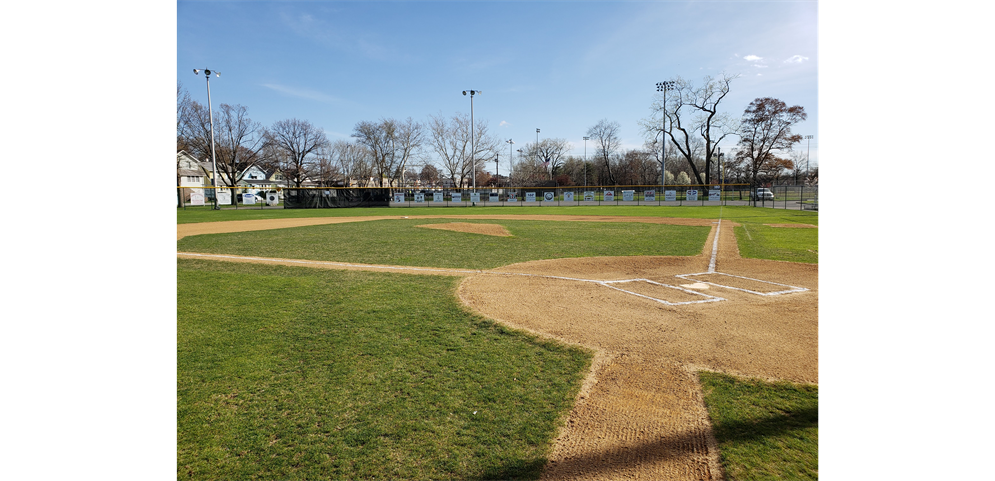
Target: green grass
(758, 241)
(293, 373)
(400, 242)
(764, 430)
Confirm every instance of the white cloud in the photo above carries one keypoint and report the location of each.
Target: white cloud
(503, 124)
(796, 59)
(752, 58)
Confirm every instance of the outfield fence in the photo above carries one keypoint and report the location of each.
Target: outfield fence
(796, 197)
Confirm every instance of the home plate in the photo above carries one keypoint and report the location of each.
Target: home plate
(663, 293)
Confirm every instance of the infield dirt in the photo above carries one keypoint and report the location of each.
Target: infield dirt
(640, 412)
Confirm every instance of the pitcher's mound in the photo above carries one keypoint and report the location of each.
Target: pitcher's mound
(485, 229)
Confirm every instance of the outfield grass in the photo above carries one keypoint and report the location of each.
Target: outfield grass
(293, 373)
(764, 430)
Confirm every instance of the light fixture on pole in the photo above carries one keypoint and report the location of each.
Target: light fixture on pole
(210, 114)
(511, 162)
(585, 160)
(472, 148)
(664, 87)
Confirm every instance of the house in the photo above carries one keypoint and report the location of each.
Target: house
(193, 175)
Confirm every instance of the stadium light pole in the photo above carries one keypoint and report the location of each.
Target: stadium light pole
(808, 164)
(210, 115)
(585, 160)
(664, 87)
(473, 161)
(511, 161)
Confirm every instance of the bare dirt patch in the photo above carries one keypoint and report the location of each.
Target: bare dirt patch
(640, 412)
(470, 228)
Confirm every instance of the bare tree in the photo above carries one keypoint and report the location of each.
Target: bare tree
(183, 107)
(352, 161)
(429, 175)
(607, 143)
(239, 143)
(295, 144)
(392, 144)
(450, 139)
(765, 132)
(692, 112)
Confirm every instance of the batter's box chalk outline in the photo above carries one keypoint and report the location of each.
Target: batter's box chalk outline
(688, 291)
(607, 284)
(792, 289)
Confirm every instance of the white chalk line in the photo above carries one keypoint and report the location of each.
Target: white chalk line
(777, 293)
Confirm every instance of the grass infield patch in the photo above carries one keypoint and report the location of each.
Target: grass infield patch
(764, 430)
(401, 242)
(294, 373)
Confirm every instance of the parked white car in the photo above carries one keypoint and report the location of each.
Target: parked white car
(762, 194)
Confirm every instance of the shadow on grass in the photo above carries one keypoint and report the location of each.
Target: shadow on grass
(614, 460)
(766, 427)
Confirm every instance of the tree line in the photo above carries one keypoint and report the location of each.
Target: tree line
(399, 153)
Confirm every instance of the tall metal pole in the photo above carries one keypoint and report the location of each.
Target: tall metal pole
(585, 160)
(808, 165)
(664, 87)
(511, 162)
(473, 160)
(537, 144)
(210, 115)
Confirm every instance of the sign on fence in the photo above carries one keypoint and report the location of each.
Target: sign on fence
(568, 197)
(457, 197)
(419, 198)
(398, 197)
(649, 196)
(224, 198)
(548, 196)
(714, 194)
(512, 196)
(530, 197)
(493, 197)
(670, 195)
(589, 196)
(475, 197)
(628, 195)
(609, 195)
(692, 194)
(196, 199)
(437, 197)
(272, 198)
(249, 199)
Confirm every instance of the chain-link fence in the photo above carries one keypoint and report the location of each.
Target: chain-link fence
(779, 197)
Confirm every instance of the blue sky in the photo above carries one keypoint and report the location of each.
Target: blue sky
(559, 66)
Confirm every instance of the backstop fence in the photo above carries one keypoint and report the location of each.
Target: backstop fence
(797, 197)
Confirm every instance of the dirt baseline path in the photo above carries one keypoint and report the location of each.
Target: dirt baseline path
(653, 323)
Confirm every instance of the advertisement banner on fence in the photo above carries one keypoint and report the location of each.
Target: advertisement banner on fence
(568, 196)
(493, 197)
(475, 197)
(457, 197)
(649, 196)
(713, 194)
(530, 197)
(420, 198)
(272, 198)
(628, 195)
(548, 196)
(609, 195)
(670, 195)
(437, 197)
(196, 198)
(398, 197)
(224, 198)
(249, 199)
(691, 194)
(512, 196)
(588, 196)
